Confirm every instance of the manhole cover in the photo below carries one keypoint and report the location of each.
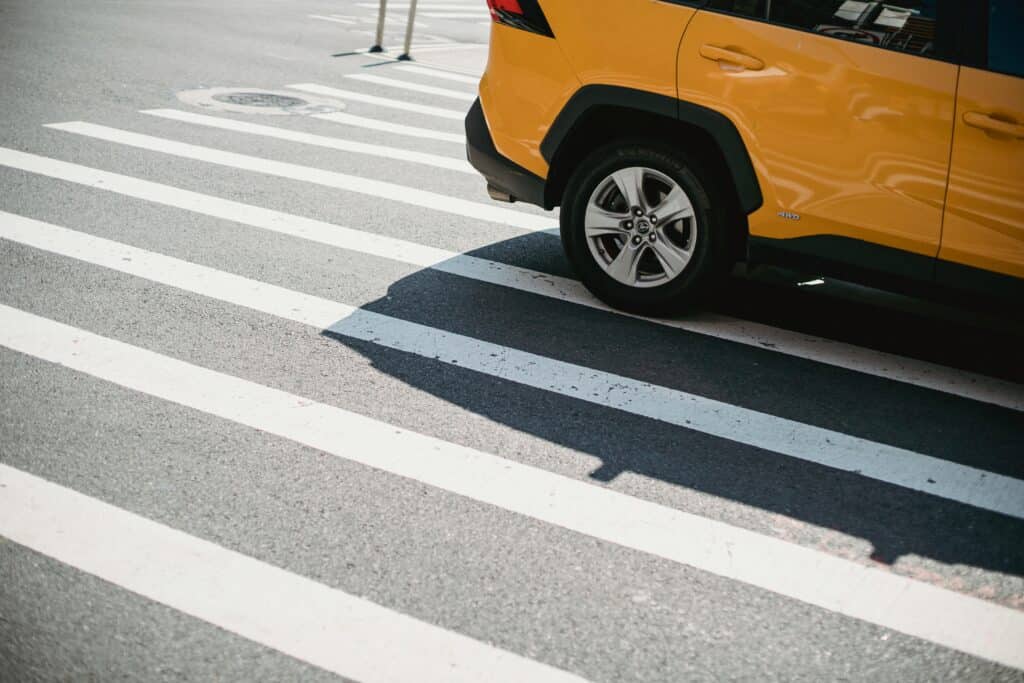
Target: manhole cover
(259, 101)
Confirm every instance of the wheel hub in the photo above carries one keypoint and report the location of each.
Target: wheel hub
(640, 227)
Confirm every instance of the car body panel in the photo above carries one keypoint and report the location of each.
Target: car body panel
(984, 220)
(525, 86)
(628, 43)
(847, 139)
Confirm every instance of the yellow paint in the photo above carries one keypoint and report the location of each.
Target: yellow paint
(529, 77)
(629, 43)
(526, 84)
(853, 139)
(984, 225)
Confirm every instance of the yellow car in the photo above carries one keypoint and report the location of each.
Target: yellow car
(875, 141)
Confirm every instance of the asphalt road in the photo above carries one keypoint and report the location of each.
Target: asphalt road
(300, 402)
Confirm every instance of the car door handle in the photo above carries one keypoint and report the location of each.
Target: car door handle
(721, 54)
(986, 122)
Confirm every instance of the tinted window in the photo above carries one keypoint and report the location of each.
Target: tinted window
(904, 25)
(747, 8)
(1005, 23)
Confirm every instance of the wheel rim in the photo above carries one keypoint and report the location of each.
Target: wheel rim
(640, 227)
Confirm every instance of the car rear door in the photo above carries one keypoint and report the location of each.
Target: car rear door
(984, 220)
(847, 112)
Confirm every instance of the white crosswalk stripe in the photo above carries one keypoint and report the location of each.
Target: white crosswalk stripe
(347, 119)
(437, 73)
(426, 5)
(898, 466)
(394, 21)
(906, 370)
(335, 20)
(414, 87)
(452, 47)
(314, 623)
(340, 181)
(355, 96)
(340, 144)
(455, 15)
(350, 635)
(979, 628)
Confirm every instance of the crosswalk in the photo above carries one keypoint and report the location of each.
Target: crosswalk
(353, 95)
(708, 390)
(359, 639)
(835, 449)
(345, 145)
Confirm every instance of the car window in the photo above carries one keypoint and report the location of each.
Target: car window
(754, 9)
(904, 25)
(1005, 23)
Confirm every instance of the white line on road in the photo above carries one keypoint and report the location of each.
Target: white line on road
(340, 181)
(335, 20)
(342, 144)
(921, 610)
(879, 364)
(455, 15)
(396, 21)
(312, 622)
(414, 87)
(354, 96)
(440, 6)
(437, 73)
(809, 443)
(434, 43)
(347, 119)
(452, 46)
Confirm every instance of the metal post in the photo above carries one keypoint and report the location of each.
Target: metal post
(408, 31)
(379, 45)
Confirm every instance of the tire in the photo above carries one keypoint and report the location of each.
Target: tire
(693, 252)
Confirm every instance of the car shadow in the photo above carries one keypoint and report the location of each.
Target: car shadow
(896, 521)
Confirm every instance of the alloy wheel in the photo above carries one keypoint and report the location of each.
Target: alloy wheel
(641, 227)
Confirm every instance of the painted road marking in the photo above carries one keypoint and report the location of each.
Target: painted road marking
(347, 119)
(354, 96)
(396, 21)
(415, 87)
(335, 20)
(287, 612)
(452, 46)
(871, 594)
(876, 363)
(340, 181)
(420, 6)
(437, 73)
(342, 144)
(882, 462)
(455, 15)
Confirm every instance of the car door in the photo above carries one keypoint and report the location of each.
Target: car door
(847, 112)
(983, 230)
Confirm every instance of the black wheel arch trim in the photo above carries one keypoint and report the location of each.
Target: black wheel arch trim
(499, 171)
(717, 125)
